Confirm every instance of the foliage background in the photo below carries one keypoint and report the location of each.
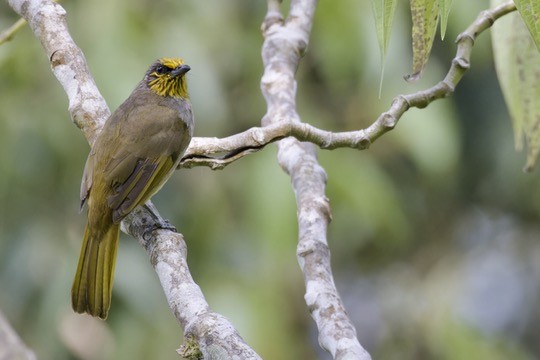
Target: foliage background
(434, 238)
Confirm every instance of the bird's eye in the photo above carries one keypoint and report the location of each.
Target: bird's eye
(161, 69)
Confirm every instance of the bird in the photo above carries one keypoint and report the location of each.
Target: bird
(138, 149)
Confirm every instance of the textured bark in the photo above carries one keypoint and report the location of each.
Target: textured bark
(285, 42)
(215, 336)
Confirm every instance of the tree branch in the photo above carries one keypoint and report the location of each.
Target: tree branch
(8, 34)
(284, 43)
(214, 334)
(202, 151)
(86, 105)
(218, 153)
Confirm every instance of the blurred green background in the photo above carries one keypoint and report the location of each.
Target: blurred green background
(434, 234)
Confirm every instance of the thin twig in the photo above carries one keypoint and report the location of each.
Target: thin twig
(9, 33)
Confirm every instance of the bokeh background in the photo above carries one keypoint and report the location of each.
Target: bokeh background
(435, 227)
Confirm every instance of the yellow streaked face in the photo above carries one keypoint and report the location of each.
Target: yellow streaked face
(166, 77)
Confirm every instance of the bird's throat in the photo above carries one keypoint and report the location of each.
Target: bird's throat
(165, 85)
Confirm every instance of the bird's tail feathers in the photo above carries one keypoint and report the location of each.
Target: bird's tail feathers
(92, 288)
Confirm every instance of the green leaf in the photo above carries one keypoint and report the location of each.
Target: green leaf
(425, 16)
(445, 11)
(383, 11)
(517, 63)
(530, 12)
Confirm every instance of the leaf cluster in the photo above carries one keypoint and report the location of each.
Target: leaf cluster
(516, 42)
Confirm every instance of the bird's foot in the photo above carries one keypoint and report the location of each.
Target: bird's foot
(166, 225)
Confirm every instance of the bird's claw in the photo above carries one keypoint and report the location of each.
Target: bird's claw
(160, 225)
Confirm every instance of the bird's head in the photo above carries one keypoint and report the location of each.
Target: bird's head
(166, 77)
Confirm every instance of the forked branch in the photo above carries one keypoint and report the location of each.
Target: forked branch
(285, 41)
(218, 153)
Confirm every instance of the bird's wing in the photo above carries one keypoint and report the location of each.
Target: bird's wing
(86, 182)
(141, 150)
(145, 179)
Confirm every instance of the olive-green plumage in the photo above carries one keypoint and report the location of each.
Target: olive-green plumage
(136, 152)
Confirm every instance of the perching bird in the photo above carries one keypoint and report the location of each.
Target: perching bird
(138, 149)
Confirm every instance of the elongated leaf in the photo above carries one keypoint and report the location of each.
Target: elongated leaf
(383, 11)
(425, 16)
(530, 12)
(445, 11)
(518, 68)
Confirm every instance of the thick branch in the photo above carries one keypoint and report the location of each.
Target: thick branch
(215, 334)
(86, 105)
(284, 43)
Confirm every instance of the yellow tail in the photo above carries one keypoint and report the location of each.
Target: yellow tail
(92, 287)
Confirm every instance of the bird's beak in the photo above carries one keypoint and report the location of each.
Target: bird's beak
(179, 71)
